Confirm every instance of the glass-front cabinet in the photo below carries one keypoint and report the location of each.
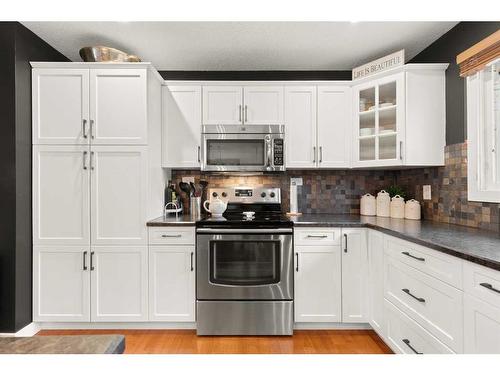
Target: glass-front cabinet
(379, 122)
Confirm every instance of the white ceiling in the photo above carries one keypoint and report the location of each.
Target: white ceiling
(245, 45)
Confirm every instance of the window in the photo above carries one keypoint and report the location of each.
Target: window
(483, 122)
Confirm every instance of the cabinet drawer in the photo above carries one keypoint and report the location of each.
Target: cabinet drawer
(317, 236)
(406, 336)
(172, 236)
(442, 266)
(482, 282)
(436, 306)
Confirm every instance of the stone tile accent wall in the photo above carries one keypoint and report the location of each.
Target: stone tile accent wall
(339, 191)
(449, 202)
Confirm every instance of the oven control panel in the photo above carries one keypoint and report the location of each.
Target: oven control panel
(247, 194)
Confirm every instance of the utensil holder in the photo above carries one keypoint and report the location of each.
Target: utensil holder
(195, 206)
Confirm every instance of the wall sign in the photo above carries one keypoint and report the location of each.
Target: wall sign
(385, 63)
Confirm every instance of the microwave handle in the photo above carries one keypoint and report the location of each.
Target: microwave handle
(268, 152)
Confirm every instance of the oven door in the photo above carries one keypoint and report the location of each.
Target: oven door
(250, 265)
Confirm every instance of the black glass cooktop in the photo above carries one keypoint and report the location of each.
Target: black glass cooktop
(238, 219)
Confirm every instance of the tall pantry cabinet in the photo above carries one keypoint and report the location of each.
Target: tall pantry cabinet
(90, 191)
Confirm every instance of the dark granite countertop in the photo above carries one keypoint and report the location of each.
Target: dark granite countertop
(475, 245)
(79, 344)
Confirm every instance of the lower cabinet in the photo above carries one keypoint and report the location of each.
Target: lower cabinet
(354, 275)
(318, 287)
(61, 284)
(482, 327)
(119, 283)
(102, 284)
(375, 288)
(172, 283)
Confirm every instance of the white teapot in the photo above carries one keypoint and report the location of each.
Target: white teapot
(217, 206)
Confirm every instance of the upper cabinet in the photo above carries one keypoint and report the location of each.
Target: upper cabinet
(181, 126)
(233, 105)
(399, 117)
(89, 106)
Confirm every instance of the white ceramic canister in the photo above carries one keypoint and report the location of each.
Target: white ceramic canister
(383, 204)
(368, 205)
(397, 207)
(412, 210)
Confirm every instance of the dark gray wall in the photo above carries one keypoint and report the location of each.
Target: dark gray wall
(258, 75)
(446, 49)
(19, 46)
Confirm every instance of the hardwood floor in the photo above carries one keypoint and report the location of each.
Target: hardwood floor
(186, 342)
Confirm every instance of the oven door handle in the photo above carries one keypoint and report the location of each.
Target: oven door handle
(249, 231)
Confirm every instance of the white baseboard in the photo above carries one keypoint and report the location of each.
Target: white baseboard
(337, 326)
(118, 325)
(28, 331)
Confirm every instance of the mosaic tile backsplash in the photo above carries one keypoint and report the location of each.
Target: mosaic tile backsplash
(339, 191)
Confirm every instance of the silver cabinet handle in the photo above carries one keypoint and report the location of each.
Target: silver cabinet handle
(407, 342)
(92, 261)
(419, 299)
(412, 256)
(192, 266)
(345, 248)
(85, 260)
(239, 111)
(297, 262)
(321, 154)
(401, 150)
(91, 160)
(85, 160)
(199, 152)
(246, 113)
(84, 128)
(490, 287)
(92, 129)
(314, 154)
(317, 236)
(171, 235)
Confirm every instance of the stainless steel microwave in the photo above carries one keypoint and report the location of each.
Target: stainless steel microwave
(243, 148)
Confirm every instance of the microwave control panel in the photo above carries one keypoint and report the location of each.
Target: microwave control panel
(278, 151)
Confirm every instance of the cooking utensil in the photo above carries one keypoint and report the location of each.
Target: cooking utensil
(184, 186)
(193, 189)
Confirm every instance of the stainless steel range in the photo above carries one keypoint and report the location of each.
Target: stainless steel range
(244, 281)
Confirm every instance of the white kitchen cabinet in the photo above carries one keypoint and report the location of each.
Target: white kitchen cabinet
(300, 127)
(61, 284)
(354, 275)
(318, 288)
(60, 106)
(481, 326)
(172, 283)
(222, 105)
(119, 195)
(263, 105)
(399, 117)
(61, 195)
(118, 106)
(376, 313)
(181, 126)
(334, 126)
(119, 283)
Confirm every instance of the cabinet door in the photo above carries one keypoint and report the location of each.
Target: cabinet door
(300, 127)
(481, 327)
(119, 195)
(60, 106)
(334, 126)
(61, 199)
(172, 283)
(317, 284)
(379, 122)
(181, 126)
(119, 281)
(354, 270)
(263, 105)
(222, 105)
(61, 284)
(118, 106)
(376, 281)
